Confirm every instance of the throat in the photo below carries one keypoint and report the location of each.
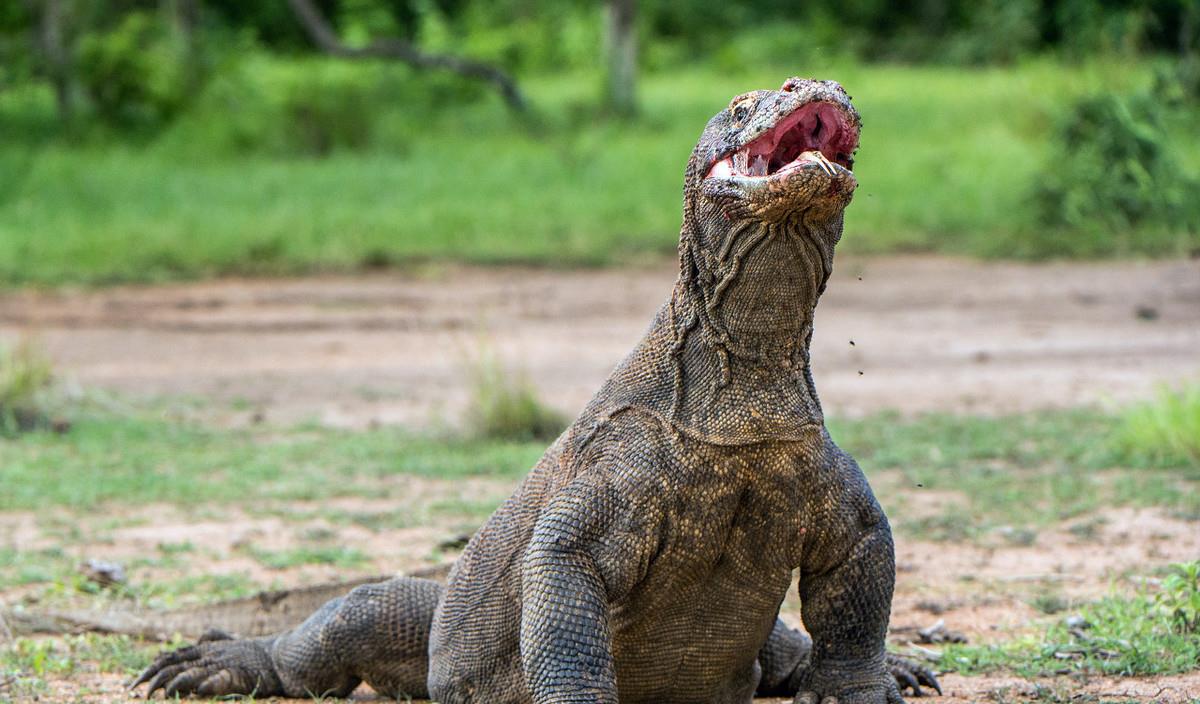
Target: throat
(742, 330)
(757, 297)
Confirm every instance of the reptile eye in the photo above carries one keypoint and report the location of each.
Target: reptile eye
(741, 111)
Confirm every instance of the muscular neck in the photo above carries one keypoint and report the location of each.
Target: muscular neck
(742, 316)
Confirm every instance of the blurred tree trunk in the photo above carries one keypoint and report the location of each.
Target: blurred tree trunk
(327, 40)
(1189, 41)
(186, 17)
(53, 48)
(621, 86)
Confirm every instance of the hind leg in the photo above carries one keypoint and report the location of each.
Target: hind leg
(378, 633)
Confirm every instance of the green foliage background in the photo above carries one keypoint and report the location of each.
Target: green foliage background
(1033, 128)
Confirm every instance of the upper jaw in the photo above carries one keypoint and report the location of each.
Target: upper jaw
(804, 124)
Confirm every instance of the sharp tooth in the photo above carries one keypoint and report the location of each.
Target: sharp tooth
(824, 163)
(758, 167)
(740, 159)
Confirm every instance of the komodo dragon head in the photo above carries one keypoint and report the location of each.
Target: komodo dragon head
(777, 155)
(764, 194)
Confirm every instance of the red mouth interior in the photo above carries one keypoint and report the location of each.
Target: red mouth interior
(818, 126)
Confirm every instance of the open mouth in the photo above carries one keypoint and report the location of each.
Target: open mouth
(818, 132)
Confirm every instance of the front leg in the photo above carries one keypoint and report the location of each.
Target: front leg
(587, 550)
(566, 645)
(785, 661)
(846, 610)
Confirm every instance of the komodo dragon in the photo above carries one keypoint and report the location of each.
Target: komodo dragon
(646, 555)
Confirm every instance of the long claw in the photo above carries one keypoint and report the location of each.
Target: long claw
(185, 682)
(165, 676)
(926, 677)
(907, 681)
(909, 675)
(167, 659)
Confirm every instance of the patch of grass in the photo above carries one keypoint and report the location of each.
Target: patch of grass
(569, 190)
(192, 589)
(1142, 634)
(108, 460)
(171, 549)
(1164, 431)
(31, 662)
(953, 526)
(504, 406)
(19, 567)
(1016, 472)
(375, 521)
(475, 509)
(309, 555)
(1087, 529)
(26, 378)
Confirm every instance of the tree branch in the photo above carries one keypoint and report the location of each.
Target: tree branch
(327, 40)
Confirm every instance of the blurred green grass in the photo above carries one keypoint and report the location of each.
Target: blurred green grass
(948, 155)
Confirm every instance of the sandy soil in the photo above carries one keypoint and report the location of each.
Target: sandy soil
(928, 334)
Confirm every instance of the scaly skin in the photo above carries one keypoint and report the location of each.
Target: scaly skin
(645, 557)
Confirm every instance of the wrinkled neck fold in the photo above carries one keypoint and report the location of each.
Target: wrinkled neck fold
(754, 293)
(741, 319)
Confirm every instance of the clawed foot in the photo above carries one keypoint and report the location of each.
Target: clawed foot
(825, 686)
(872, 695)
(911, 675)
(212, 668)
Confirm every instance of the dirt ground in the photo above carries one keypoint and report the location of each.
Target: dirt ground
(983, 591)
(928, 334)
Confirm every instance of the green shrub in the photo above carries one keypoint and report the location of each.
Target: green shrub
(25, 380)
(1164, 431)
(817, 41)
(136, 73)
(315, 107)
(320, 118)
(1178, 83)
(504, 406)
(1180, 597)
(1113, 185)
(996, 32)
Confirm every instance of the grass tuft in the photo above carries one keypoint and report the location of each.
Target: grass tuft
(1164, 431)
(26, 378)
(505, 406)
